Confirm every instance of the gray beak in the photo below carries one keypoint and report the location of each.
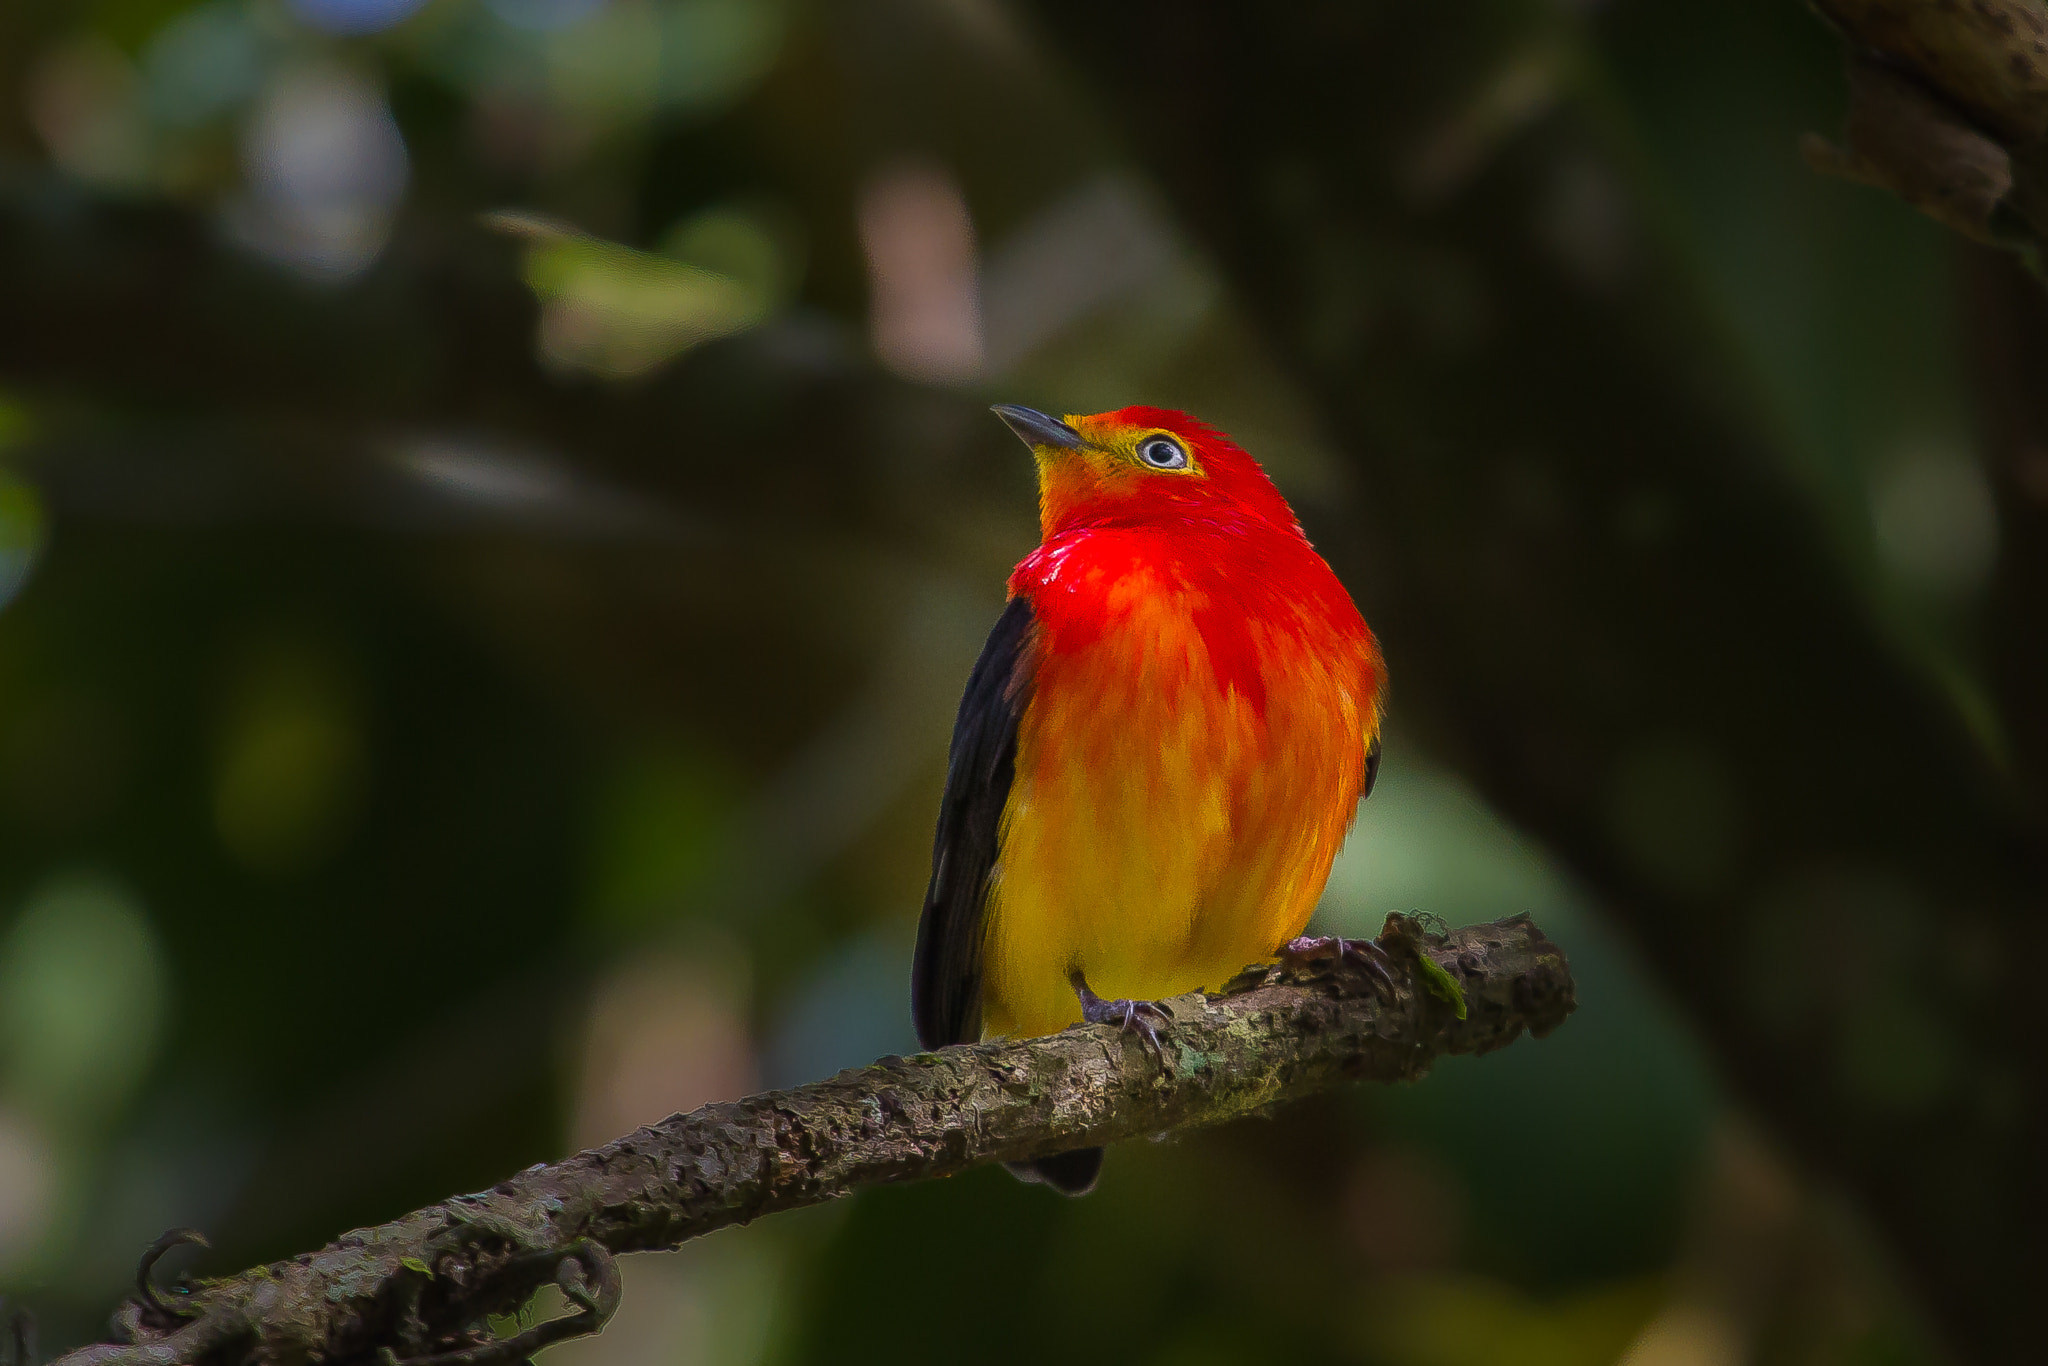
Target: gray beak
(1034, 428)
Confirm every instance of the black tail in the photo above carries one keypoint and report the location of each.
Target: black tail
(1071, 1173)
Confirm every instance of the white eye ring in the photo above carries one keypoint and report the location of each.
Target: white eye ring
(1162, 453)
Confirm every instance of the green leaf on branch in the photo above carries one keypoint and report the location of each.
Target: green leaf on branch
(1441, 984)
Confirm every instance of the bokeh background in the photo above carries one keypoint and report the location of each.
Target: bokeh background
(497, 505)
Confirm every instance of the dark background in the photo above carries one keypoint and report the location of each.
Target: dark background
(496, 507)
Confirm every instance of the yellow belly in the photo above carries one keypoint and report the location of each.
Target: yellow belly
(1161, 833)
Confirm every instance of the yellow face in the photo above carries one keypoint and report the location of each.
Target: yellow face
(1121, 448)
(1120, 469)
(1137, 465)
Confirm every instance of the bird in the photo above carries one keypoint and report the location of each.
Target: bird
(1158, 754)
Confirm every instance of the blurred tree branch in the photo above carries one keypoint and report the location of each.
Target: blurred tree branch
(1948, 109)
(112, 312)
(423, 1287)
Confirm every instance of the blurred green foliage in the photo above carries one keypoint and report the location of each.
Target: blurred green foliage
(363, 839)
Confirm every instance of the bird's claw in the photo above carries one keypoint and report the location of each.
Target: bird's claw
(1141, 1017)
(1298, 953)
(1146, 1018)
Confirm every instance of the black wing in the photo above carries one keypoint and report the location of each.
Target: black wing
(1372, 769)
(945, 983)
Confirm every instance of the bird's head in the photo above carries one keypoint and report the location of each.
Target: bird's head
(1137, 466)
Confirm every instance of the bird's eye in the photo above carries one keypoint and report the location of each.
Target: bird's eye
(1162, 453)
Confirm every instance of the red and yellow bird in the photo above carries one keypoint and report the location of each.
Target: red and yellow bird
(1160, 750)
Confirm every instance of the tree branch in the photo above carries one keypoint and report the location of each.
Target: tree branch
(422, 1287)
(1949, 111)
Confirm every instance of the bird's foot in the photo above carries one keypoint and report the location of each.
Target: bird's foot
(1140, 1017)
(1299, 953)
